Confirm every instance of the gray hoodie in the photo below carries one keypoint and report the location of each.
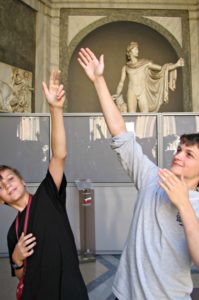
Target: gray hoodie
(155, 263)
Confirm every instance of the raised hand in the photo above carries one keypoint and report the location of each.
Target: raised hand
(175, 187)
(92, 66)
(24, 248)
(55, 94)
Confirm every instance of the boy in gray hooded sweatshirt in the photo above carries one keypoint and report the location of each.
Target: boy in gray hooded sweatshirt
(163, 239)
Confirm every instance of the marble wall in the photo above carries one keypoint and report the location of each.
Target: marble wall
(61, 26)
(17, 37)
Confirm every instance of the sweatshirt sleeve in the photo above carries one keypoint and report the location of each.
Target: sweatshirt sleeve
(134, 161)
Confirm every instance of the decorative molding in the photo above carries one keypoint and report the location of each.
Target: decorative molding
(119, 4)
(77, 23)
(172, 24)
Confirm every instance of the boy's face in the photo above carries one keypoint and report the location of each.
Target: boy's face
(186, 162)
(12, 188)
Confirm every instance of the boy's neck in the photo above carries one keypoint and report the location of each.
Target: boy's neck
(21, 204)
(192, 186)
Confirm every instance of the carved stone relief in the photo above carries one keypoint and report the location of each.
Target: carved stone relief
(15, 89)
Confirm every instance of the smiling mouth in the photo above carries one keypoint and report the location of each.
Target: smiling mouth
(176, 164)
(12, 191)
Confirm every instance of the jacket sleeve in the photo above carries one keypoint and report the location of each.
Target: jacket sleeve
(134, 161)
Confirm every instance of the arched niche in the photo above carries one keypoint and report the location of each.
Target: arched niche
(110, 37)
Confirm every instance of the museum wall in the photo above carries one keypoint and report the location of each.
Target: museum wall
(165, 32)
(52, 32)
(17, 36)
(163, 36)
(112, 39)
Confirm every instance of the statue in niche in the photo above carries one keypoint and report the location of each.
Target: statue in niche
(148, 83)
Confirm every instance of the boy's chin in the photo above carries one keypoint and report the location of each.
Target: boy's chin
(175, 171)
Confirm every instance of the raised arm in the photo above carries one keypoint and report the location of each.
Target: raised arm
(94, 70)
(178, 64)
(154, 67)
(55, 96)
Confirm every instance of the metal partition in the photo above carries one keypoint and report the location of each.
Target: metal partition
(25, 145)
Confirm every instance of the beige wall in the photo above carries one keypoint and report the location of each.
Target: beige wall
(63, 26)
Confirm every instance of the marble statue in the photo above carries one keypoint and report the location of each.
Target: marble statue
(148, 83)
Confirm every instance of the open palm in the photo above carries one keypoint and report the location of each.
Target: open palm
(55, 92)
(91, 65)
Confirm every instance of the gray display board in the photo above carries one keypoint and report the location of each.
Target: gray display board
(25, 142)
(25, 145)
(89, 153)
(7, 216)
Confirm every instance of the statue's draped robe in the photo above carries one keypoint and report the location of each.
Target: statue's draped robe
(157, 83)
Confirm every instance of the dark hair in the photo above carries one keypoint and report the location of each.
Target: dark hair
(16, 172)
(190, 139)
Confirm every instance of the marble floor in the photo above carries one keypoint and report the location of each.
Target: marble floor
(98, 276)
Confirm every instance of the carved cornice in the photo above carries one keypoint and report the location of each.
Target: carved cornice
(119, 4)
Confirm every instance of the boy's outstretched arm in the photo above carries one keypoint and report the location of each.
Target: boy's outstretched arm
(55, 96)
(94, 70)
